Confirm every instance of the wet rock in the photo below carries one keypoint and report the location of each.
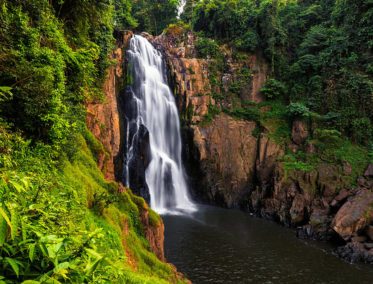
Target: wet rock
(293, 147)
(137, 166)
(354, 215)
(148, 36)
(305, 232)
(260, 73)
(355, 252)
(191, 75)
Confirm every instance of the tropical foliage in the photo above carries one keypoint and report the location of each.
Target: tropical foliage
(60, 220)
(320, 52)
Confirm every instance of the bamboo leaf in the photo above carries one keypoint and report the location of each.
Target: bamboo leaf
(14, 222)
(5, 216)
(91, 268)
(31, 252)
(16, 186)
(93, 253)
(3, 230)
(44, 250)
(13, 263)
(24, 232)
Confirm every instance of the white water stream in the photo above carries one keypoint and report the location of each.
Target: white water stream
(180, 8)
(157, 111)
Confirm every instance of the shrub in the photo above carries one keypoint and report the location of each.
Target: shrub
(362, 130)
(273, 89)
(297, 110)
(247, 113)
(327, 135)
(178, 29)
(248, 42)
(5, 94)
(207, 48)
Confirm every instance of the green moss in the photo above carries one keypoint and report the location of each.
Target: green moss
(154, 218)
(297, 162)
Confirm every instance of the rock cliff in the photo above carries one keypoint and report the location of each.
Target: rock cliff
(225, 151)
(236, 162)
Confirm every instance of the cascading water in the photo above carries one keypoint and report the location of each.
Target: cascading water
(180, 8)
(154, 115)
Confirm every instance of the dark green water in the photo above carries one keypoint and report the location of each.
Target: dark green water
(228, 246)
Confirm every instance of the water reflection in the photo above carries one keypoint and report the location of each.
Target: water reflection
(226, 246)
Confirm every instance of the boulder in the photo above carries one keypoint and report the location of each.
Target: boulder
(354, 215)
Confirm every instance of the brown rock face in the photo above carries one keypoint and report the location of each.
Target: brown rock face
(266, 161)
(194, 82)
(224, 153)
(227, 153)
(191, 77)
(299, 132)
(103, 118)
(355, 215)
(260, 74)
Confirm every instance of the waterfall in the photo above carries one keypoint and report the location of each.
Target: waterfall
(180, 8)
(153, 110)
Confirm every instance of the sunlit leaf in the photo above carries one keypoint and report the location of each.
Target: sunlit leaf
(13, 263)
